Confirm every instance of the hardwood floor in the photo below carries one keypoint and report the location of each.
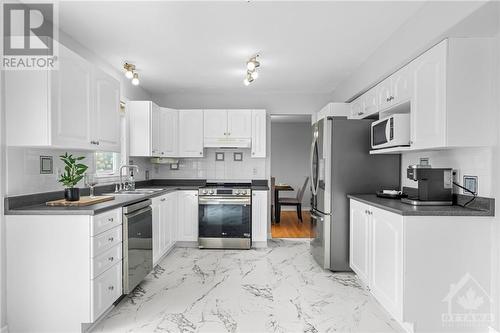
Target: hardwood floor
(291, 227)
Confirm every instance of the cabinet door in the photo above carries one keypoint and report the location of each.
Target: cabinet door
(72, 101)
(156, 130)
(155, 206)
(371, 101)
(214, 124)
(259, 216)
(428, 109)
(359, 240)
(139, 120)
(357, 108)
(191, 133)
(169, 132)
(259, 133)
(239, 124)
(171, 219)
(384, 93)
(387, 259)
(164, 229)
(401, 82)
(106, 120)
(187, 216)
(106, 289)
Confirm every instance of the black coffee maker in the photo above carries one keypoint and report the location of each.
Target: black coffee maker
(435, 186)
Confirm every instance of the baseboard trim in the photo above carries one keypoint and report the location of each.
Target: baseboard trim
(293, 209)
(259, 245)
(186, 244)
(4, 329)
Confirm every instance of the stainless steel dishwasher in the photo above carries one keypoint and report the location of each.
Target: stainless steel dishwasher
(137, 243)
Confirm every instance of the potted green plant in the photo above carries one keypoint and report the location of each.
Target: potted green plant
(73, 173)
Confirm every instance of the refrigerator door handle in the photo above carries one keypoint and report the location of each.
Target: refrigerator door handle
(317, 217)
(313, 185)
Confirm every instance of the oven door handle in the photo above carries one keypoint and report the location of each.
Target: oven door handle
(224, 201)
(138, 212)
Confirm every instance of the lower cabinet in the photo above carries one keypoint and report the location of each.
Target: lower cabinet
(411, 263)
(187, 221)
(259, 216)
(164, 220)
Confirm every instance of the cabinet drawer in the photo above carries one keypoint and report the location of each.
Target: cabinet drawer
(105, 221)
(105, 260)
(106, 289)
(105, 241)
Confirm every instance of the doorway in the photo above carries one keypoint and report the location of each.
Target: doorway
(291, 138)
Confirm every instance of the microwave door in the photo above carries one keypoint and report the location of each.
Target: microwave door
(380, 134)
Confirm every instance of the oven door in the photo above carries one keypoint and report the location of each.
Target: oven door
(224, 217)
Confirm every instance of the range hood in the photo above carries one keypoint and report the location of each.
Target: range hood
(227, 143)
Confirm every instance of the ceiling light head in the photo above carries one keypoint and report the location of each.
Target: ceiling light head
(249, 79)
(135, 79)
(129, 70)
(254, 75)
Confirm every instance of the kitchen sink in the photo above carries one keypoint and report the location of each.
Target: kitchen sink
(137, 191)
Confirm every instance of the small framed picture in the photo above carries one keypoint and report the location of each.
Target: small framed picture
(238, 157)
(219, 156)
(46, 165)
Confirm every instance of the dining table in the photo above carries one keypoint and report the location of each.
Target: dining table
(277, 209)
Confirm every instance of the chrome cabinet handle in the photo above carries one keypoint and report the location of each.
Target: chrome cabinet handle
(163, 199)
(111, 258)
(360, 113)
(110, 239)
(110, 219)
(111, 288)
(201, 153)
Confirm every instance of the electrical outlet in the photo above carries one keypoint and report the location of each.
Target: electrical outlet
(146, 174)
(254, 171)
(425, 161)
(470, 183)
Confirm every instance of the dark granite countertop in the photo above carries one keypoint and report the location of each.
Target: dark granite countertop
(34, 204)
(398, 207)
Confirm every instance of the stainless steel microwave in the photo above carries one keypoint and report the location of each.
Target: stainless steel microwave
(393, 131)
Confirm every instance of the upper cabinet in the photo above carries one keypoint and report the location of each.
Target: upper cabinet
(164, 132)
(259, 133)
(190, 133)
(227, 128)
(74, 107)
(448, 93)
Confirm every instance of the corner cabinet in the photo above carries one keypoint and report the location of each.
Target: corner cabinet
(74, 107)
(395, 255)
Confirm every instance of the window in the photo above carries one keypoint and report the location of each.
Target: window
(106, 163)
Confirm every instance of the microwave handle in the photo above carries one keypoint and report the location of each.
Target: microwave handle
(388, 130)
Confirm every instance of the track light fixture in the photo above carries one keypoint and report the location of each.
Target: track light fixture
(252, 64)
(131, 74)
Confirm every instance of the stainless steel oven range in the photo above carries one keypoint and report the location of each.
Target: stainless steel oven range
(137, 243)
(225, 216)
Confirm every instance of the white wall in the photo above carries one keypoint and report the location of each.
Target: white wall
(274, 103)
(433, 22)
(468, 161)
(291, 149)
(210, 169)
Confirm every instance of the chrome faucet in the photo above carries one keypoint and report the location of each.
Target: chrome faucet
(122, 185)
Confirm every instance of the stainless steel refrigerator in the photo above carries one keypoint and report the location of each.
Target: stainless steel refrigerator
(341, 165)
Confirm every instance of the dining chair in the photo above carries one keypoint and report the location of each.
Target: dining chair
(297, 201)
(273, 189)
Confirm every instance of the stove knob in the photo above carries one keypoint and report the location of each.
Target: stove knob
(204, 192)
(211, 192)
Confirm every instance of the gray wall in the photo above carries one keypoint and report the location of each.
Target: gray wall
(290, 154)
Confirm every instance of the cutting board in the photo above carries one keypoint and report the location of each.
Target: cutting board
(84, 201)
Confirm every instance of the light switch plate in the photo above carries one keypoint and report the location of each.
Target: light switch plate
(174, 166)
(470, 183)
(424, 161)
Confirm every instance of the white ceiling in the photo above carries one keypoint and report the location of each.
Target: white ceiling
(306, 47)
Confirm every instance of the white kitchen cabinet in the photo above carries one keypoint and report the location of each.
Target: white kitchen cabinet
(105, 128)
(428, 108)
(387, 259)
(81, 274)
(164, 218)
(260, 216)
(215, 124)
(187, 216)
(239, 124)
(74, 107)
(143, 118)
(371, 102)
(259, 133)
(359, 242)
(190, 133)
(357, 108)
(169, 133)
